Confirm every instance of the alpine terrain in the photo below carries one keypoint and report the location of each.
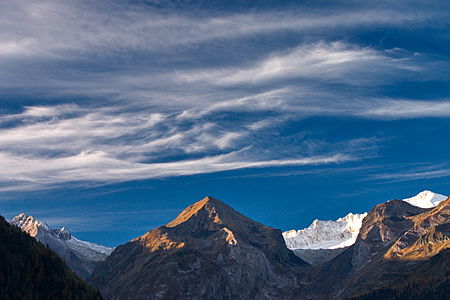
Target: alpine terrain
(29, 270)
(324, 240)
(210, 251)
(401, 250)
(79, 255)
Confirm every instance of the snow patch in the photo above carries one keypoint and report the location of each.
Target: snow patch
(426, 199)
(344, 231)
(326, 234)
(60, 240)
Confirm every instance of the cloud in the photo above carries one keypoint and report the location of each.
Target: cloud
(416, 173)
(304, 102)
(334, 61)
(115, 92)
(34, 173)
(50, 28)
(112, 51)
(406, 109)
(47, 146)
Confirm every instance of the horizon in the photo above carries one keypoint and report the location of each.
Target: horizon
(60, 226)
(115, 116)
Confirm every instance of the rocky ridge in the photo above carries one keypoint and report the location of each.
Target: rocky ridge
(80, 256)
(324, 240)
(397, 241)
(29, 270)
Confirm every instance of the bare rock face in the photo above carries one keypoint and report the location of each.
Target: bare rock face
(398, 243)
(383, 225)
(429, 235)
(210, 251)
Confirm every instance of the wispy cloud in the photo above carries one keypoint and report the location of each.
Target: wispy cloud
(45, 146)
(128, 92)
(335, 61)
(416, 173)
(49, 27)
(27, 173)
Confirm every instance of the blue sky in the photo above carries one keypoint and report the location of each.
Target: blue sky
(116, 115)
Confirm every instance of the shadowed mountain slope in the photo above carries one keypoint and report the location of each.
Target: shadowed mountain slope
(29, 270)
(80, 256)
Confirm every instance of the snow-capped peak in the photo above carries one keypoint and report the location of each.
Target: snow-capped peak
(81, 256)
(326, 234)
(42, 232)
(344, 231)
(29, 224)
(63, 233)
(426, 199)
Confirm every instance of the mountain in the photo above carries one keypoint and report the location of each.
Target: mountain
(326, 234)
(324, 240)
(29, 270)
(426, 199)
(79, 255)
(399, 246)
(210, 251)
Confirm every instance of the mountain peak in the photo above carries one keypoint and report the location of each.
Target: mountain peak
(79, 255)
(426, 199)
(63, 233)
(29, 224)
(326, 234)
(209, 245)
(208, 209)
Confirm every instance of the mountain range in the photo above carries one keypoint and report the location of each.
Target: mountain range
(79, 255)
(401, 249)
(210, 251)
(29, 270)
(324, 240)
(398, 250)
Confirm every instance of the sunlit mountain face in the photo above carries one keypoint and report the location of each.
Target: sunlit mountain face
(115, 115)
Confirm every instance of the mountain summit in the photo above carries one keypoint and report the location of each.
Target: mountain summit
(79, 255)
(401, 249)
(426, 199)
(324, 240)
(29, 270)
(210, 251)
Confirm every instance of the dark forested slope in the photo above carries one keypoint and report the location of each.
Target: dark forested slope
(29, 270)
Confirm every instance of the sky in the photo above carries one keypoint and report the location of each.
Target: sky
(116, 115)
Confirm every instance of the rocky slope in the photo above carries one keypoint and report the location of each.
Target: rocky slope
(210, 251)
(397, 244)
(79, 255)
(324, 240)
(29, 270)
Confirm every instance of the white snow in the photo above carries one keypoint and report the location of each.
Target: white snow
(344, 231)
(61, 240)
(426, 199)
(326, 234)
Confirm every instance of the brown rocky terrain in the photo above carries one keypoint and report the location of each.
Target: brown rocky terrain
(397, 245)
(210, 251)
